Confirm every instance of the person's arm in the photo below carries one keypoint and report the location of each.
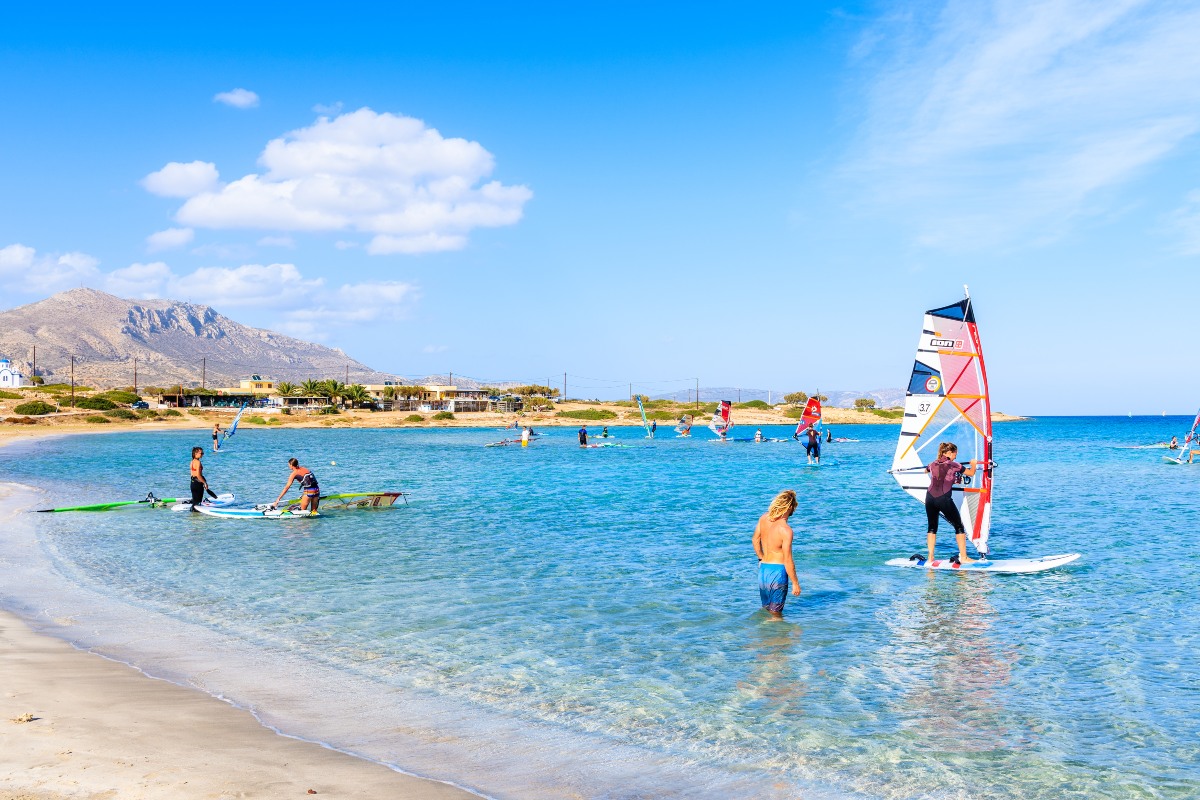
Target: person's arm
(757, 540)
(970, 470)
(286, 486)
(789, 563)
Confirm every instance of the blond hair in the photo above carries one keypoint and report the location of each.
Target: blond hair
(947, 447)
(783, 505)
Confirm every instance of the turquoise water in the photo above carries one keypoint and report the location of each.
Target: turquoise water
(549, 620)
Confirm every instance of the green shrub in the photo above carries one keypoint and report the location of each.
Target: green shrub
(762, 405)
(588, 413)
(196, 412)
(11, 396)
(170, 412)
(21, 420)
(662, 415)
(95, 403)
(256, 420)
(63, 388)
(794, 413)
(443, 415)
(328, 410)
(414, 418)
(888, 414)
(37, 380)
(118, 396)
(146, 413)
(120, 413)
(98, 419)
(35, 408)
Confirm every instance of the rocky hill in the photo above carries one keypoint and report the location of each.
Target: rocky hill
(173, 342)
(838, 398)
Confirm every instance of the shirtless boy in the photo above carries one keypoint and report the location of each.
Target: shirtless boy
(773, 544)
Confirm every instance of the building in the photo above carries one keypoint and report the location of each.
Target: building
(10, 376)
(255, 385)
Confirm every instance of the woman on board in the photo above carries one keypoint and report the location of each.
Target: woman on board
(604, 433)
(310, 492)
(812, 448)
(939, 497)
(216, 437)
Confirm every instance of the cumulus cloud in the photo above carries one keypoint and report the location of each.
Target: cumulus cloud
(238, 98)
(23, 269)
(169, 239)
(259, 285)
(182, 180)
(139, 280)
(988, 122)
(390, 176)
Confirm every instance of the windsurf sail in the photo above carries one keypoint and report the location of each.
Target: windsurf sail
(645, 422)
(1191, 437)
(947, 401)
(810, 417)
(685, 425)
(721, 421)
(232, 429)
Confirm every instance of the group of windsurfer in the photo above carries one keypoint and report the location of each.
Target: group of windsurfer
(773, 535)
(310, 491)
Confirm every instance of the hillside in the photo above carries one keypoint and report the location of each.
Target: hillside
(173, 342)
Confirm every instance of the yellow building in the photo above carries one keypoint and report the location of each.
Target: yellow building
(250, 386)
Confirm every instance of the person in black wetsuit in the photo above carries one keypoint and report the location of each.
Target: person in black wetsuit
(813, 446)
(653, 427)
(199, 482)
(939, 497)
(583, 436)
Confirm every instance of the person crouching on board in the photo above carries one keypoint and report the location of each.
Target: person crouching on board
(939, 497)
(310, 492)
(773, 544)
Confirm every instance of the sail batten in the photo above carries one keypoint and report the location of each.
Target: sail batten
(948, 400)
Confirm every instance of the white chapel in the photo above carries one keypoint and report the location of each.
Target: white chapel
(10, 376)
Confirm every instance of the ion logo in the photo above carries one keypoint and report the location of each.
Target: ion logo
(952, 343)
(933, 384)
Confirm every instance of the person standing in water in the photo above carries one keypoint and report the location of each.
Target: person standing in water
(525, 436)
(199, 482)
(773, 544)
(939, 497)
(216, 437)
(653, 427)
(583, 436)
(310, 492)
(812, 447)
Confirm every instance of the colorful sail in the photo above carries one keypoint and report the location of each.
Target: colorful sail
(232, 429)
(947, 401)
(1191, 437)
(645, 423)
(721, 421)
(810, 417)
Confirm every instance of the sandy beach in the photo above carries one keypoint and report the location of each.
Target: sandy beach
(74, 724)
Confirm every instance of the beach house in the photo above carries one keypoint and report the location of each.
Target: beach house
(10, 376)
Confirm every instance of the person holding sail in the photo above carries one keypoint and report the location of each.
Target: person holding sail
(939, 497)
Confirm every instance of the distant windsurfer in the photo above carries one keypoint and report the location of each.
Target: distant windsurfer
(216, 437)
(525, 436)
(604, 433)
(583, 436)
(653, 427)
(758, 437)
(812, 448)
(939, 497)
(310, 492)
(773, 544)
(829, 434)
(1174, 445)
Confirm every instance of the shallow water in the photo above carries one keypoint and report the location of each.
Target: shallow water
(545, 620)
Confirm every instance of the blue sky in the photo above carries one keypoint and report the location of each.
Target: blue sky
(640, 193)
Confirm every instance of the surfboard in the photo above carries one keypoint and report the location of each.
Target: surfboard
(254, 513)
(1005, 565)
(226, 499)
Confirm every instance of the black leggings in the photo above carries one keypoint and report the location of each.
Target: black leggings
(197, 492)
(944, 505)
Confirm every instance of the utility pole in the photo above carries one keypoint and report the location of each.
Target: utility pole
(452, 378)
(739, 395)
(347, 374)
(135, 374)
(631, 392)
(564, 387)
(203, 371)
(697, 394)
(72, 381)
(34, 366)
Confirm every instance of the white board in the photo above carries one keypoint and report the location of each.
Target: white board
(997, 565)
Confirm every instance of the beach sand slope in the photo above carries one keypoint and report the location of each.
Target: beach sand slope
(101, 729)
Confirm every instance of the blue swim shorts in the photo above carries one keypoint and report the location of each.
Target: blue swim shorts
(773, 586)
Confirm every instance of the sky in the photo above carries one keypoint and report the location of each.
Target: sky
(630, 193)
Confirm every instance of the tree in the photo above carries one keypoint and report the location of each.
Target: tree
(864, 403)
(356, 395)
(285, 389)
(795, 398)
(311, 388)
(408, 393)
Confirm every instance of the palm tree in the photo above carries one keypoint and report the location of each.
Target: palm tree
(311, 388)
(356, 395)
(285, 389)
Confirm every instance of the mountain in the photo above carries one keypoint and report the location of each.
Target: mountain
(173, 342)
(838, 398)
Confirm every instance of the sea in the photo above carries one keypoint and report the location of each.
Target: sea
(550, 622)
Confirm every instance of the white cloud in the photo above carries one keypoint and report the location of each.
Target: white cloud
(169, 239)
(277, 241)
(988, 122)
(332, 109)
(434, 348)
(22, 269)
(382, 174)
(238, 98)
(258, 285)
(182, 180)
(138, 280)
(342, 244)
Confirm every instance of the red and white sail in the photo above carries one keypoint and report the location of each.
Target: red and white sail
(810, 417)
(721, 421)
(947, 401)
